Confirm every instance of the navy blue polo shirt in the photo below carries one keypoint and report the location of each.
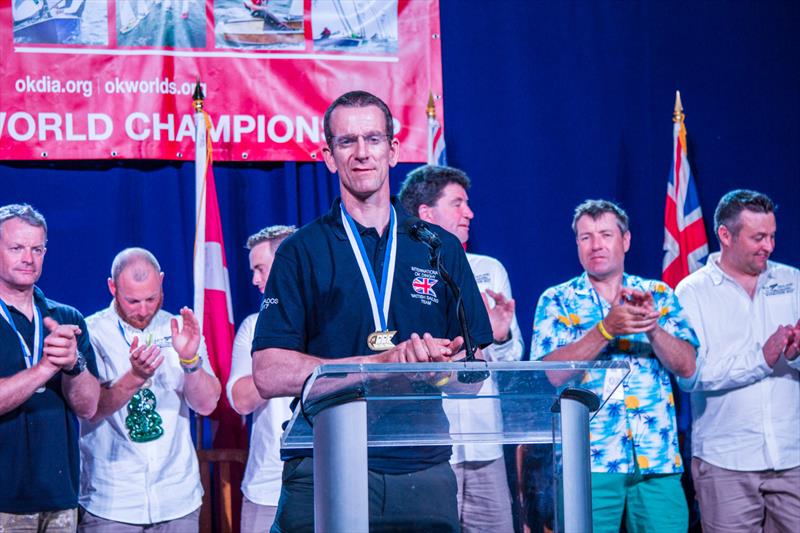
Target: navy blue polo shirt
(39, 462)
(318, 305)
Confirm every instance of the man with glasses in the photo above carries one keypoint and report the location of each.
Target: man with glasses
(139, 466)
(47, 374)
(353, 287)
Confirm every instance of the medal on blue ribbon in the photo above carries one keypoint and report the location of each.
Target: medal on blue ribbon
(31, 359)
(379, 296)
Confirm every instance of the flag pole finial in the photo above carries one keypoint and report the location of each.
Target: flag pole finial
(430, 109)
(678, 105)
(198, 96)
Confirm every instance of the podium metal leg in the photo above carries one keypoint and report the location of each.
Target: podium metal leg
(341, 497)
(576, 466)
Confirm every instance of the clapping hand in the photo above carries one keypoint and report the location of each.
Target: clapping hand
(501, 315)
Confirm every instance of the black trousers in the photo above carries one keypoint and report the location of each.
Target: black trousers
(423, 501)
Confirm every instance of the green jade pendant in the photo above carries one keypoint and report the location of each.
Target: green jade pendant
(143, 422)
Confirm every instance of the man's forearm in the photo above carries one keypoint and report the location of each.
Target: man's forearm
(82, 393)
(676, 354)
(587, 348)
(16, 389)
(115, 397)
(202, 391)
(246, 398)
(278, 372)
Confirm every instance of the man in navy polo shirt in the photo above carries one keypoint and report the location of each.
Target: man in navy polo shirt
(319, 306)
(47, 375)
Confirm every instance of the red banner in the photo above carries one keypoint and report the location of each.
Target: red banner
(98, 79)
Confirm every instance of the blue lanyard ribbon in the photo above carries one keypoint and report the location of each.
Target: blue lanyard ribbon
(379, 296)
(38, 339)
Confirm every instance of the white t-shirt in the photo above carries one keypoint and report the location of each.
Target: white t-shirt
(262, 477)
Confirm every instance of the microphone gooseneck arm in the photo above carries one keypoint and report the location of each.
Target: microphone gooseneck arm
(436, 262)
(419, 231)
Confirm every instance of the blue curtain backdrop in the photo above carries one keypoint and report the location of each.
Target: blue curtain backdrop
(546, 104)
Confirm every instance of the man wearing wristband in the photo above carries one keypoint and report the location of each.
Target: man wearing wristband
(606, 314)
(138, 463)
(439, 195)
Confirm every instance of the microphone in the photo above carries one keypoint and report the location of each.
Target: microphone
(420, 232)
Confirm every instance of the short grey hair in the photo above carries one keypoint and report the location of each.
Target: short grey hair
(130, 256)
(274, 234)
(24, 212)
(596, 209)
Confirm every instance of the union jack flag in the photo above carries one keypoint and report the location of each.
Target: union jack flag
(436, 152)
(685, 242)
(424, 286)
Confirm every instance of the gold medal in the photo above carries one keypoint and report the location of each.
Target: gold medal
(381, 341)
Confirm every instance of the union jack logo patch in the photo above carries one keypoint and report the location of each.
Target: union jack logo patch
(424, 286)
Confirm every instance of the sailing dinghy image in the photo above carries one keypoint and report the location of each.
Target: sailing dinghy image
(46, 21)
(367, 26)
(265, 24)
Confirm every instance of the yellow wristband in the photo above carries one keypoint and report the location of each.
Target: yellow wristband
(191, 361)
(443, 381)
(604, 332)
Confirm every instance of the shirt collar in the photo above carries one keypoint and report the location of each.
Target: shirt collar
(334, 219)
(717, 275)
(584, 287)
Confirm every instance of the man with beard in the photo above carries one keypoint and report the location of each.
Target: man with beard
(139, 466)
(746, 389)
(47, 373)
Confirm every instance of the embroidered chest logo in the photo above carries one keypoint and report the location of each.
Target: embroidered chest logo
(776, 289)
(484, 278)
(422, 285)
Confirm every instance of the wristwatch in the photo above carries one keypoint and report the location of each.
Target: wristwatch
(80, 366)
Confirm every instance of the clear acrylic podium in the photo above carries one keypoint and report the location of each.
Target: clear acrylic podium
(347, 408)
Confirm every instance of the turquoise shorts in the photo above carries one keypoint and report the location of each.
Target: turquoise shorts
(654, 502)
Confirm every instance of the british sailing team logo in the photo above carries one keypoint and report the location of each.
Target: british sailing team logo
(424, 286)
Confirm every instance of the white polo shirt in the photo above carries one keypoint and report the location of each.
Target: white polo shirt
(262, 476)
(745, 415)
(139, 482)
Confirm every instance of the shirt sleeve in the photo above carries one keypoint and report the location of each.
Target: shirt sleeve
(511, 350)
(735, 363)
(282, 320)
(673, 318)
(241, 360)
(477, 320)
(553, 325)
(85, 346)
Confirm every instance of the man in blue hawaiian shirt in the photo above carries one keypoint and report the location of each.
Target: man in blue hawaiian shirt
(608, 315)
